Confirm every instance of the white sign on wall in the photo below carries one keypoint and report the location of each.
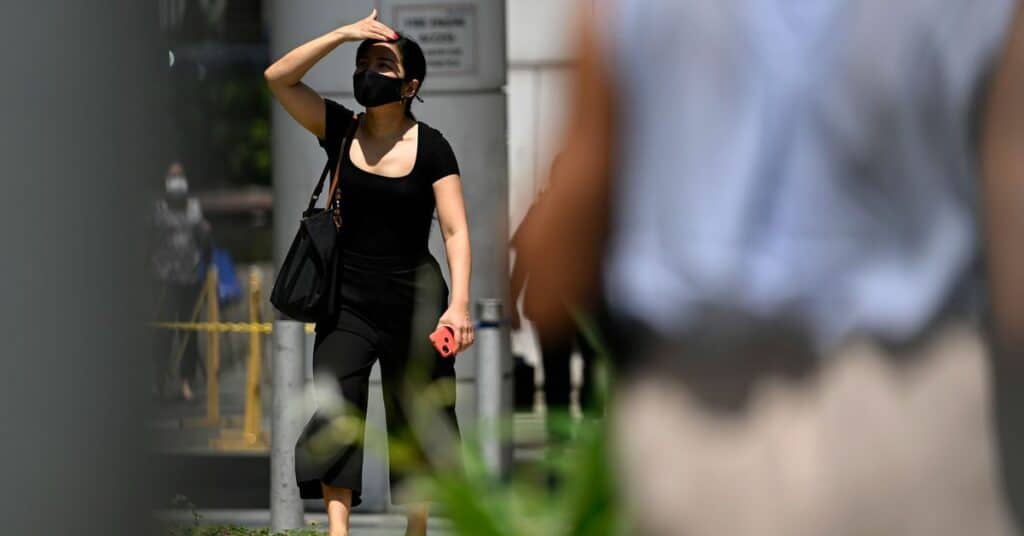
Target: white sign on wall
(447, 34)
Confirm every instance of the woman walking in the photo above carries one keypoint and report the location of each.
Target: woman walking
(390, 173)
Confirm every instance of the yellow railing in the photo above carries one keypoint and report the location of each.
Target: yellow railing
(212, 350)
(251, 435)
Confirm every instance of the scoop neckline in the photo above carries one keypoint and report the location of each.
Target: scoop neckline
(415, 161)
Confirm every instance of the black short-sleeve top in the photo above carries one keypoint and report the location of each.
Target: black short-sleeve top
(387, 216)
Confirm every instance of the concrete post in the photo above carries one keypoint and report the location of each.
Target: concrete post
(492, 385)
(287, 414)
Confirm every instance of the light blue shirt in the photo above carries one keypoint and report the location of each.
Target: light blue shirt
(808, 159)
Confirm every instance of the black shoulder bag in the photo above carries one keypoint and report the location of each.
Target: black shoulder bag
(304, 280)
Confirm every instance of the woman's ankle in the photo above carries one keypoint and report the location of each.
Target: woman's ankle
(416, 521)
(338, 503)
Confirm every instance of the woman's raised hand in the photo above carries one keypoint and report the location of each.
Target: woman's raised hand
(368, 28)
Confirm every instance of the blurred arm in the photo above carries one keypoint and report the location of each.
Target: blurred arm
(562, 248)
(1002, 160)
(517, 278)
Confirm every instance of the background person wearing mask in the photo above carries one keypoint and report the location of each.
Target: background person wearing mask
(807, 204)
(181, 249)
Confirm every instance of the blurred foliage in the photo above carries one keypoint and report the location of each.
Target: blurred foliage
(242, 133)
(221, 125)
(571, 492)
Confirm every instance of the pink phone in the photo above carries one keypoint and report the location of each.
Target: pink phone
(444, 340)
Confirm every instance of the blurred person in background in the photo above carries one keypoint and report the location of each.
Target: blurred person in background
(389, 179)
(180, 251)
(804, 219)
(556, 348)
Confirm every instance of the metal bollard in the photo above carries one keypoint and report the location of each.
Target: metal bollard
(492, 408)
(287, 414)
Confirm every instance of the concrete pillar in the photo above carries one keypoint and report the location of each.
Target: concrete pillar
(494, 387)
(464, 98)
(287, 418)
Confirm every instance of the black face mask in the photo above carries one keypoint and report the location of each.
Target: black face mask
(374, 89)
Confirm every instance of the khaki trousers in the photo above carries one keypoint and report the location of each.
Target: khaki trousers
(870, 442)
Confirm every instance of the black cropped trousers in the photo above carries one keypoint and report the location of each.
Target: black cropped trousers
(386, 310)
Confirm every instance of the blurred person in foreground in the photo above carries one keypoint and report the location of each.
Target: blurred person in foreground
(807, 203)
(182, 247)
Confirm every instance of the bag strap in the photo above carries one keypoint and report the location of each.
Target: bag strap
(318, 189)
(346, 144)
(346, 141)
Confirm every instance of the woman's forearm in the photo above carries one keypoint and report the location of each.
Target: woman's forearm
(284, 77)
(290, 69)
(459, 266)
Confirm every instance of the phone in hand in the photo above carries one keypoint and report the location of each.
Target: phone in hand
(444, 340)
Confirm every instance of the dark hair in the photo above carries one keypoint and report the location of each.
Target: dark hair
(413, 60)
